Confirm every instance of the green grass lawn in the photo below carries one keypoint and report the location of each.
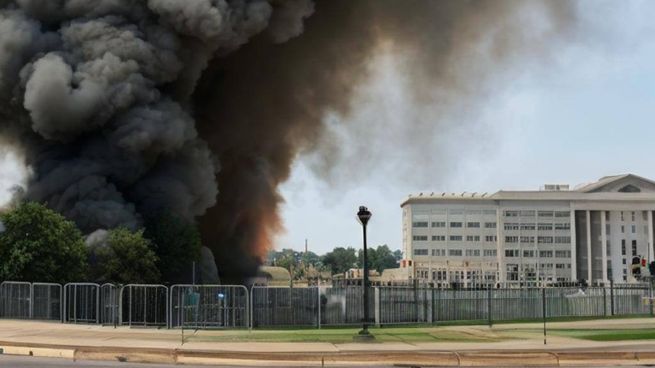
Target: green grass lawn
(344, 335)
(607, 335)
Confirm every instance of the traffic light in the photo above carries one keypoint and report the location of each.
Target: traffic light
(643, 262)
(636, 266)
(651, 268)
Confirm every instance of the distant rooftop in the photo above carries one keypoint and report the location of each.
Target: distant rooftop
(606, 187)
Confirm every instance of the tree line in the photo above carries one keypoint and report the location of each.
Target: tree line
(339, 260)
(39, 244)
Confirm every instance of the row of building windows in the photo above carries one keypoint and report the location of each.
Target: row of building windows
(530, 253)
(531, 213)
(454, 224)
(469, 238)
(540, 239)
(456, 252)
(539, 226)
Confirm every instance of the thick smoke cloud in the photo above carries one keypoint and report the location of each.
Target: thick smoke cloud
(122, 108)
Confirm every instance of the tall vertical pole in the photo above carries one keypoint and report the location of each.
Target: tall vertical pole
(543, 308)
(365, 326)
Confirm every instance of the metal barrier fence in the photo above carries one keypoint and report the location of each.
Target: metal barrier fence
(109, 305)
(280, 306)
(234, 306)
(82, 302)
(209, 306)
(46, 301)
(16, 300)
(144, 305)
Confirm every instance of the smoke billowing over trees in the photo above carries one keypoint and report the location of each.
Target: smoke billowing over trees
(127, 108)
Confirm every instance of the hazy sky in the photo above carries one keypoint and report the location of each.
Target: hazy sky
(586, 115)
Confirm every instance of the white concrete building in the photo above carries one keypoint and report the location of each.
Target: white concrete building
(555, 234)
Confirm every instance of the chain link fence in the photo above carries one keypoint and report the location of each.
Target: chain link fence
(235, 306)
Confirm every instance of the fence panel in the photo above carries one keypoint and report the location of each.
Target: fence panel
(630, 300)
(345, 305)
(16, 299)
(144, 305)
(509, 304)
(283, 306)
(47, 301)
(460, 304)
(404, 304)
(209, 306)
(109, 305)
(82, 302)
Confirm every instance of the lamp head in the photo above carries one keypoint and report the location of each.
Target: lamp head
(363, 215)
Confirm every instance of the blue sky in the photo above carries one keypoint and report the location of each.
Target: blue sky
(588, 114)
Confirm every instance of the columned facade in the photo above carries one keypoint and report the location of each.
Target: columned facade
(590, 233)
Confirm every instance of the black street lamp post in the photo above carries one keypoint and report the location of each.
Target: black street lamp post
(364, 215)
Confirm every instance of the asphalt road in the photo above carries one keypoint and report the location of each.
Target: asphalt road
(9, 361)
(13, 361)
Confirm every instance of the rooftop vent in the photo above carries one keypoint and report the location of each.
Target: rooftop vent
(555, 187)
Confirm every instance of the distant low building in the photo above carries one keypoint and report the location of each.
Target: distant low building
(272, 276)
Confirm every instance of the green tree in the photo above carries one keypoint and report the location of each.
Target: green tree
(379, 258)
(177, 245)
(38, 244)
(125, 257)
(340, 259)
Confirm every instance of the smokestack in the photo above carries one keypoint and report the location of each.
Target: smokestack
(122, 108)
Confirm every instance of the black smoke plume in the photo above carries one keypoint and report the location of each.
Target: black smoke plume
(122, 108)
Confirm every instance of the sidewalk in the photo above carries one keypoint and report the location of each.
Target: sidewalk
(523, 344)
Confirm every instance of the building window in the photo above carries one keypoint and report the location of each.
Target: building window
(473, 238)
(644, 215)
(622, 216)
(545, 253)
(420, 224)
(455, 252)
(511, 239)
(623, 251)
(560, 266)
(634, 229)
(527, 226)
(511, 213)
(607, 215)
(455, 224)
(420, 238)
(489, 225)
(545, 213)
(473, 224)
(489, 253)
(511, 226)
(438, 238)
(625, 261)
(455, 238)
(511, 253)
(420, 252)
(527, 239)
(563, 226)
(545, 227)
(438, 224)
(563, 239)
(528, 253)
(438, 252)
(545, 239)
(622, 229)
(473, 252)
(490, 238)
(562, 214)
(633, 216)
(634, 248)
(563, 253)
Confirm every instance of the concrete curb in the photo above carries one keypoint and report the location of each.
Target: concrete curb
(363, 358)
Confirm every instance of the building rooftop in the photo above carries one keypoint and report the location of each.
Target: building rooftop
(624, 187)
